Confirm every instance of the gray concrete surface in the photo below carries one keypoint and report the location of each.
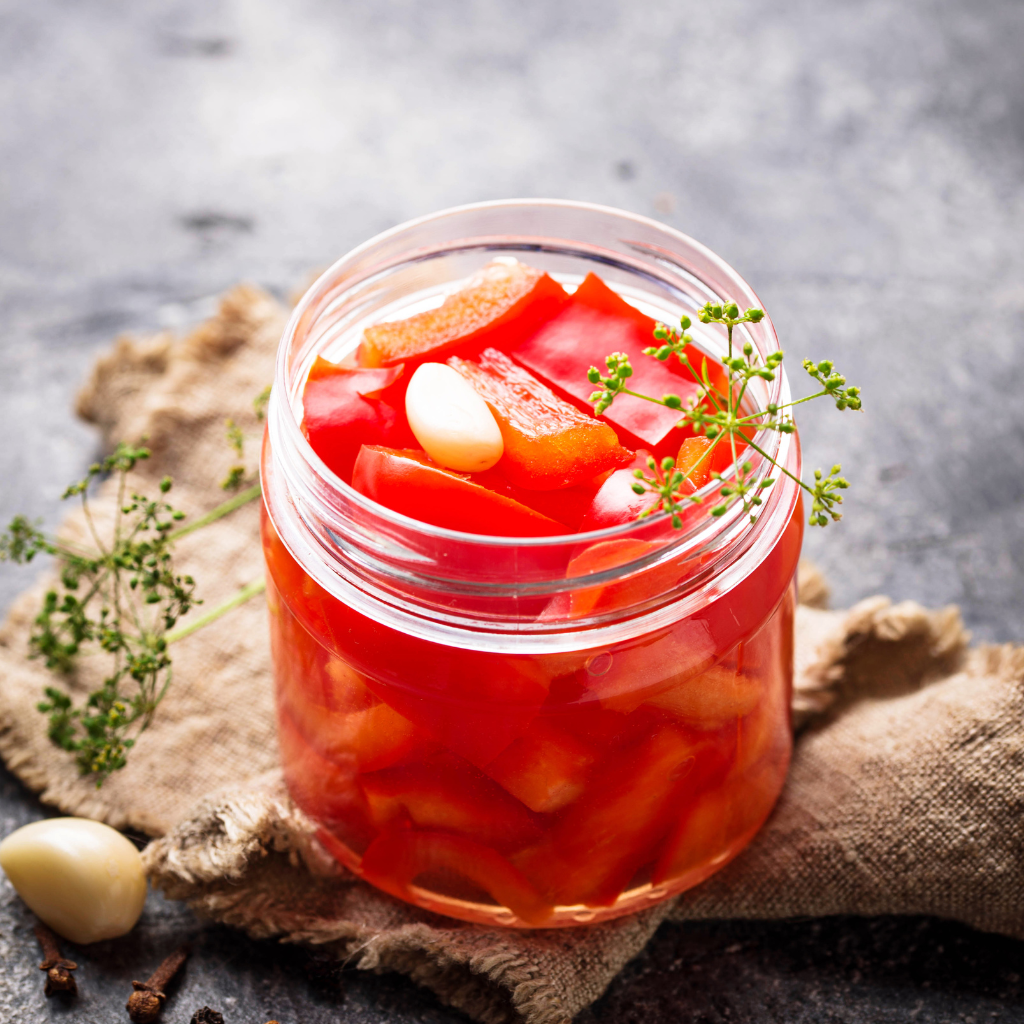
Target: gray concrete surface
(861, 163)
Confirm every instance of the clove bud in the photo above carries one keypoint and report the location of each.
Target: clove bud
(58, 970)
(146, 1002)
(205, 1015)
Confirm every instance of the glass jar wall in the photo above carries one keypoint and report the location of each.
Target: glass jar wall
(529, 732)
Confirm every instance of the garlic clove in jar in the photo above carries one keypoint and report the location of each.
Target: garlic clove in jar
(451, 421)
(82, 878)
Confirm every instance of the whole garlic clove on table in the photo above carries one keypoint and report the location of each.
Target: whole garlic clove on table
(451, 421)
(82, 878)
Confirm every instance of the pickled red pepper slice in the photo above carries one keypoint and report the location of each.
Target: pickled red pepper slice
(604, 555)
(596, 322)
(444, 792)
(367, 740)
(500, 301)
(407, 481)
(615, 501)
(395, 859)
(575, 711)
(712, 699)
(284, 576)
(473, 702)
(324, 789)
(548, 442)
(723, 817)
(546, 768)
(638, 584)
(567, 505)
(601, 840)
(343, 409)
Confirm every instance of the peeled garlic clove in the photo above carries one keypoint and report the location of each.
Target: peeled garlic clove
(82, 878)
(451, 421)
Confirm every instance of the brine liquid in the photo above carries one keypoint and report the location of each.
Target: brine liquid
(535, 790)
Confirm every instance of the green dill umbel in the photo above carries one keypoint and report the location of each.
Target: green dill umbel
(122, 596)
(724, 419)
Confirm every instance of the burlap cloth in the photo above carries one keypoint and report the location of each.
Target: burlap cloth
(906, 794)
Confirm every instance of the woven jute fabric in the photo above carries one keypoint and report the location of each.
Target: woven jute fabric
(906, 793)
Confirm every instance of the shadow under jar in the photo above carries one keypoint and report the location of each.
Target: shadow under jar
(480, 726)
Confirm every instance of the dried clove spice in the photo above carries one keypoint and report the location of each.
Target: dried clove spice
(205, 1015)
(58, 970)
(146, 1002)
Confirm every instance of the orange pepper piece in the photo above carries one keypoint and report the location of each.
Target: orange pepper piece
(500, 300)
(693, 462)
(712, 699)
(548, 442)
(372, 738)
(721, 457)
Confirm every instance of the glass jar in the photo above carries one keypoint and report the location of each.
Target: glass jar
(526, 732)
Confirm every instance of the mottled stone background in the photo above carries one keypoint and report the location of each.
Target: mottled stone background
(860, 163)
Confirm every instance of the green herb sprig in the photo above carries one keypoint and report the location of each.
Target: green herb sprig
(122, 596)
(721, 416)
(238, 474)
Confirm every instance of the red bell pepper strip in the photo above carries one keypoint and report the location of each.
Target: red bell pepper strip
(407, 481)
(604, 555)
(719, 823)
(568, 505)
(326, 790)
(371, 739)
(343, 409)
(474, 702)
(575, 710)
(595, 323)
